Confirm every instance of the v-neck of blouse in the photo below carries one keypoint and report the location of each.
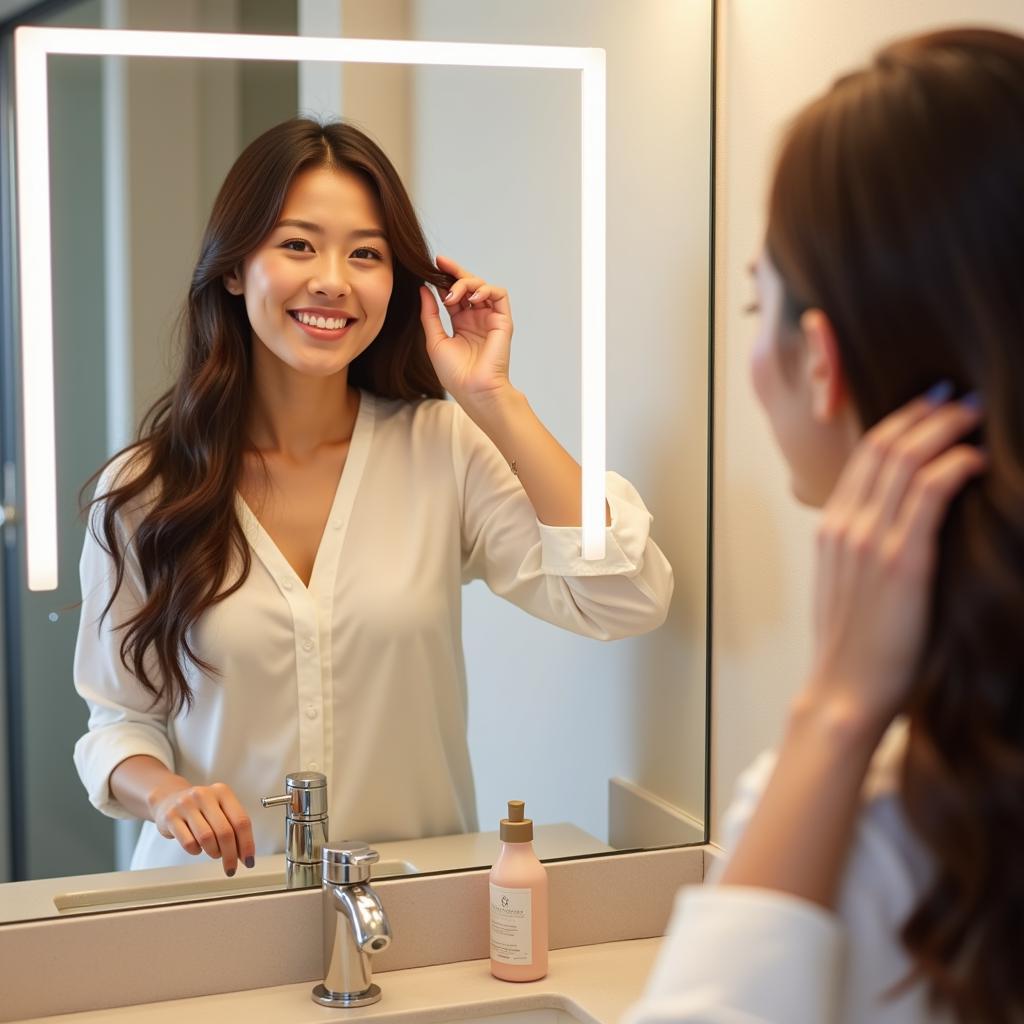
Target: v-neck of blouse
(326, 560)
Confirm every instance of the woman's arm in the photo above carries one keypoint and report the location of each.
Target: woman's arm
(122, 759)
(472, 364)
(877, 552)
(550, 476)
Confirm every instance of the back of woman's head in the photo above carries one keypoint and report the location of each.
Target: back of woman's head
(185, 467)
(898, 209)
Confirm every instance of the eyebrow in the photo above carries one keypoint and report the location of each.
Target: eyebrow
(306, 225)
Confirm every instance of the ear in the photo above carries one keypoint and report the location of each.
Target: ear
(823, 367)
(233, 281)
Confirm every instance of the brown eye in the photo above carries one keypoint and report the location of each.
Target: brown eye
(366, 253)
(297, 245)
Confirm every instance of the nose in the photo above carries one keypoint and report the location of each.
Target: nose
(330, 277)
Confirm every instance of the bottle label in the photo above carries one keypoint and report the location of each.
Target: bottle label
(511, 925)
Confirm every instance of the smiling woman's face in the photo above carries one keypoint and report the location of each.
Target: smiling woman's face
(317, 287)
(798, 381)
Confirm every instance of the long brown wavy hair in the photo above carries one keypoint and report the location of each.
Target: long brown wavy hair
(898, 209)
(184, 468)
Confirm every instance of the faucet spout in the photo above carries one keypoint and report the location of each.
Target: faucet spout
(362, 908)
(355, 927)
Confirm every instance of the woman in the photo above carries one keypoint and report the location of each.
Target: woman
(875, 871)
(272, 579)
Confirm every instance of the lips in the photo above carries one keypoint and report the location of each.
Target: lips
(313, 320)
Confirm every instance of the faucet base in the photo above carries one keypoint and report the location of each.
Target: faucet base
(325, 997)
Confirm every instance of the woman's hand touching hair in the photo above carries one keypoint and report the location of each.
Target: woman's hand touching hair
(472, 363)
(877, 553)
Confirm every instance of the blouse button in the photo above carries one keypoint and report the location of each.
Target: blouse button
(307, 644)
(312, 766)
(311, 712)
(287, 584)
(336, 523)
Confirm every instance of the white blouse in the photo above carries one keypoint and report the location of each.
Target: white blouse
(361, 675)
(739, 955)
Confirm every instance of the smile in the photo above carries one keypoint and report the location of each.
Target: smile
(328, 323)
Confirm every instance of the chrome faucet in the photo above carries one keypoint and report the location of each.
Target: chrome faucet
(355, 926)
(305, 826)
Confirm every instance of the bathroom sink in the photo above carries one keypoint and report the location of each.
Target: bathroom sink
(144, 892)
(485, 1013)
(539, 1015)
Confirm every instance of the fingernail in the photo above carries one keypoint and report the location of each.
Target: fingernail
(250, 862)
(449, 296)
(939, 393)
(474, 296)
(230, 872)
(972, 400)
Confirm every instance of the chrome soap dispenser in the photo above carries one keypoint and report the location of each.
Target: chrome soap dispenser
(305, 827)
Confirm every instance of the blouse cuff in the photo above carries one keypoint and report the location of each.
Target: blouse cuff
(788, 969)
(625, 540)
(99, 752)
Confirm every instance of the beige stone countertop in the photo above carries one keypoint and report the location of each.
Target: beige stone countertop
(595, 984)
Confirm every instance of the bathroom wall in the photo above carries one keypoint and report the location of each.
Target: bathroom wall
(583, 712)
(772, 57)
(634, 708)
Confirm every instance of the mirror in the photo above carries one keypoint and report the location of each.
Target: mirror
(605, 742)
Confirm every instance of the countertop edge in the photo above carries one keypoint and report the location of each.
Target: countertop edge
(595, 984)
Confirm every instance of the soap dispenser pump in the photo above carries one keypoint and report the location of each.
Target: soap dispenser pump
(519, 903)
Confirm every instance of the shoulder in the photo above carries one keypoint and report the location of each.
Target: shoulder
(122, 470)
(424, 417)
(886, 865)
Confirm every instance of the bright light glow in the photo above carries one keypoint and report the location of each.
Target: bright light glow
(31, 48)
(33, 163)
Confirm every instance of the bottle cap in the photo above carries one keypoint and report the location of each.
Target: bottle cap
(516, 828)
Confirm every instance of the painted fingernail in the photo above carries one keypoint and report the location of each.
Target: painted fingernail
(250, 862)
(939, 393)
(230, 872)
(475, 296)
(449, 296)
(972, 400)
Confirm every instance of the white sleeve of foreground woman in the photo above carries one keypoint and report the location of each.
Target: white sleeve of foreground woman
(744, 955)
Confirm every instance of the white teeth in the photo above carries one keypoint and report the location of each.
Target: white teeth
(324, 323)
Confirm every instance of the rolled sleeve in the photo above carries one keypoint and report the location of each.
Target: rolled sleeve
(102, 749)
(626, 539)
(540, 568)
(124, 720)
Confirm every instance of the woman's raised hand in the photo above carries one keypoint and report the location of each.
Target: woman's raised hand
(206, 819)
(877, 550)
(472, 363)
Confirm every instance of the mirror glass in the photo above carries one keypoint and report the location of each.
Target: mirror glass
(605, 741)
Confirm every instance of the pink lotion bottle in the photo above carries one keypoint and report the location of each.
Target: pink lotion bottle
(519, 903)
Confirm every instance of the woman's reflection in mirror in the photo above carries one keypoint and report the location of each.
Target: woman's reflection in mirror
(272, 575)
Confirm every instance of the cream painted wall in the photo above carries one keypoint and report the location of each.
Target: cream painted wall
(496, 180)
(772, 58)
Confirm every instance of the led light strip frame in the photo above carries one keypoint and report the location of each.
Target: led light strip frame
(33, 45)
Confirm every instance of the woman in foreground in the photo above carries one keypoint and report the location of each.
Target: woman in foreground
(874, 871)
